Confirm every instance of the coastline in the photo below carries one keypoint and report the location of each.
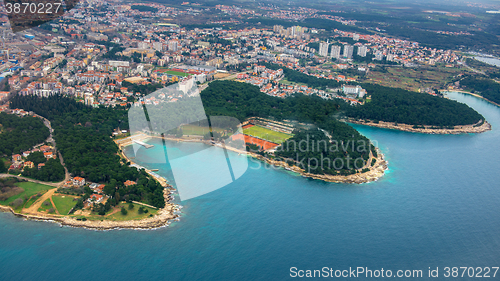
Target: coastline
(161, 219)
(464, 129)
(472, 94)
(375, 172)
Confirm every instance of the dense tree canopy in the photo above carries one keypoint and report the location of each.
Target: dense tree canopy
(242, 100)
(52, 171)
(487, 88)
(405, 107)
(18, 134)
(83, 135)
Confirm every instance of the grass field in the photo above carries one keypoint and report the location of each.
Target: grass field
(46, 205)
(197, 130)
(413, 78)
(284, 81)
(177, 73)
(30, 189)
(131, 214)
(63, 203)
(33, 199)
(266, 134)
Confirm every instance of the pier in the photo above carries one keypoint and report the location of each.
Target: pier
(143, 143)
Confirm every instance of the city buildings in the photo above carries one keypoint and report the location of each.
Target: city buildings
(348, 51)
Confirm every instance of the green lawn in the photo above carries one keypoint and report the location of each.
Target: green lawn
(197, 130)
(266, 134)
(63, 203)
(131, 214)
(44, 208)
(33, 199)
(30, 189)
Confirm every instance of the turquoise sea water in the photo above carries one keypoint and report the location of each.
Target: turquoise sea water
(438, 206)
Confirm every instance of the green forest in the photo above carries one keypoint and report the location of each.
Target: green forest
(83, 135)
(487, 88)
(242, 100)
(52, 171)
(18, 134)
(405, 107)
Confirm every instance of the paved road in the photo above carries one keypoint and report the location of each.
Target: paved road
(54, 184)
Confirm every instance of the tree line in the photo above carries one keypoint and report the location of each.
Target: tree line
(242, 100)
(412, 108)
(83, 135)
(487, 88)
(19, 134)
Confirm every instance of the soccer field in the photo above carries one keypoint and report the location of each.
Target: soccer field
(173, 72)
(266, 134)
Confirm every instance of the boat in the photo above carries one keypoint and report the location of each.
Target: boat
(154, 170)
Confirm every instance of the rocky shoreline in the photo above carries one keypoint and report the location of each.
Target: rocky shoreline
(465, 129)
(375, 172)
(161, 219)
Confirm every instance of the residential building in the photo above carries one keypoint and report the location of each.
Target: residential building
(348, 51)
(323, 48)
(362, 51)
(335, 52)
(78, 181)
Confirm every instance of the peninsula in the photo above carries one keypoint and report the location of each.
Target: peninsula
(404, 110)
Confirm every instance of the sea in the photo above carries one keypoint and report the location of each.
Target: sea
(491, 60)
(438, 206)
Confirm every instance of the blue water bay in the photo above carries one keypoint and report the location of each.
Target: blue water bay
(437, 206)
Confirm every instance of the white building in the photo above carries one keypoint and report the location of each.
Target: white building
(348, 51)
(335, 52)
(362, 51)
(323, 48)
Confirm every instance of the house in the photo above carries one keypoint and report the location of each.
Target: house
(29, 164)
(45, 148)
(49, 155)
(26, 153)
(40, 165)
(96, 198)
(100, 188)
(129, 183)
(79, 181)
(16, 157)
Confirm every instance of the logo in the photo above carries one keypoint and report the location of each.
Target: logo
(25, 14)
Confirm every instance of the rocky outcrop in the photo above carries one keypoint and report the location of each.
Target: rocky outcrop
(465, 129)
(375, 172)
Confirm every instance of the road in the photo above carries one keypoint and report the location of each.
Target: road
(472, 69)
(50, 139)
(54, 184)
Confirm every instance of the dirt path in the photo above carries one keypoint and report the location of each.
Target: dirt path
(54, 205)
(33, 209)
